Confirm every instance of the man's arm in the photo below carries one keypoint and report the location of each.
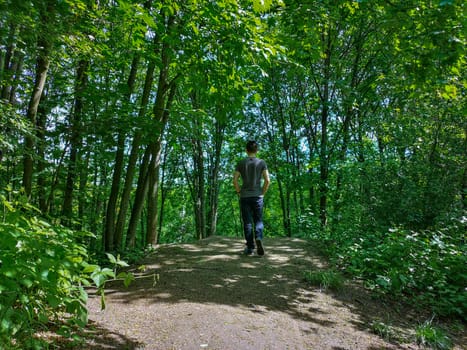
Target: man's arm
(266, 181)
(235, 182)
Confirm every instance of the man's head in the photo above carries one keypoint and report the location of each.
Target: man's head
(251, 147)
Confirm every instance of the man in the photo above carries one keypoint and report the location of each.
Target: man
(251, 193)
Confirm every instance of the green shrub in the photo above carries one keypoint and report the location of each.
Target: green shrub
(41, 275)
(427, 266)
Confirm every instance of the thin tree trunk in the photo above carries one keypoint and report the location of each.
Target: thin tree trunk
(75, 139)
(161, 113)
(324, 157)
(342, 158)
(55, 180)
(464, 176)
(110, 240)
(162, 105)
(199, 195)
(214, 178)
(162, 186)
(131, 167)
(39, 83)
(153, 188)
(133, 158)
(83, 179)
(6, 63)
(41, 178)
(138, 204)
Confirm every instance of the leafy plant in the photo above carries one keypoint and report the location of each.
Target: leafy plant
(434, 337)
(43, 272)
(99, 275)
(425, 265)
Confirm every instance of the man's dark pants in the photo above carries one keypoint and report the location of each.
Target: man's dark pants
(252, 215)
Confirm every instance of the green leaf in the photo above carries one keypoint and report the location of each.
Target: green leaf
(26, 282)
(122, 263)
(53, 300)
(111, 258)
(98, 279)
(108, 272)
(128, 278)
(91, 268)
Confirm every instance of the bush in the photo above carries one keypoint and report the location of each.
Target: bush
(428, 265)
(41, 275)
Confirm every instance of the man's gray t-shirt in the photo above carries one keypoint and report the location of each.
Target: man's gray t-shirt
(251, 170)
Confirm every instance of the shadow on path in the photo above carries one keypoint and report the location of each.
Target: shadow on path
(215, 271)
(209, 295)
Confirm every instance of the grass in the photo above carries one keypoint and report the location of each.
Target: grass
(326, 280)
(382, 329)
(433, 337)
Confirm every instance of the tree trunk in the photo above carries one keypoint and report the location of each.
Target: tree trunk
(131, 167)
(199, 195)
(324, 157)
(138, 204)
(464, 176)
(342, 158)
(82, 197)
(111, 242)
(41, 177)
(39, 83)
(161, 113)
(7, 63)
(162, 105)
(75, 139)
(213, 192)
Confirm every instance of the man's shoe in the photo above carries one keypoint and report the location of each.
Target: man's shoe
(248, 251)
(259, 247)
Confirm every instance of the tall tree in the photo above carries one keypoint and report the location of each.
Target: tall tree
(46, 25)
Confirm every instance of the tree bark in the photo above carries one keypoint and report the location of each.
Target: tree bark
(7, 63)
(110, 240)
(164, 97)
(161, 113)
(41, 177)
(131, 167)
(42, 65)
(75, 139)
(199, 194)
(324, 156)
(213, 192)
(138, 204)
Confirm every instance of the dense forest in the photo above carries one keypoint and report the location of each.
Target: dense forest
(122, 120)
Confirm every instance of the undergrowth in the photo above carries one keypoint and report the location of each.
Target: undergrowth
(425, 267)
(44, 270)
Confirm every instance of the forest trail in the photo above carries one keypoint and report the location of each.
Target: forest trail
(209, 296)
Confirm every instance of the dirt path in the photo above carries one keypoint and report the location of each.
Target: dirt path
(209, 296)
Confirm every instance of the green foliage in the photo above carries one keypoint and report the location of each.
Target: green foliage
(433, 337)
(428, 265)
(326, 280)
(43, 271)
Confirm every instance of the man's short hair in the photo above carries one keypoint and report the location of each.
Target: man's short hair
(252, 146)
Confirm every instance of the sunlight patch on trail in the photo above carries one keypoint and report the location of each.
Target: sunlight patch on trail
(220, 257)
